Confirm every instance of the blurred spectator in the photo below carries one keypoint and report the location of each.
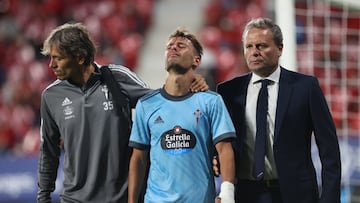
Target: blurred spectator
(222, 31)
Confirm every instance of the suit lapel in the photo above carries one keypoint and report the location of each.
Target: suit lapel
(239, 101)
(236, 98)
(241, 96)
(285, 90)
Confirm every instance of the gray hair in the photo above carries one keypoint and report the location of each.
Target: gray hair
(265, 23)
(72, 39)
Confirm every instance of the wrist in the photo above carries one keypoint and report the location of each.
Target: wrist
(227, 190)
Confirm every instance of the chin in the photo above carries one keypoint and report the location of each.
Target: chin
(259, 71)
(176, 68)
(256, 69)
(60, 78)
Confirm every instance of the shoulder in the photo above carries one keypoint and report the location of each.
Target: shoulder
(149, 95)
(208, 93)
(54, 91)
(236, 80)
(236, 85)
(122, 73)
(120, 70)
(52, 86)
(208, 97)
(297, 77)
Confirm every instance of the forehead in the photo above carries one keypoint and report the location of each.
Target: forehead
(257, 34)
(55, 50)
(175, 40)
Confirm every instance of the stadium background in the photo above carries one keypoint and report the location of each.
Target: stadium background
(322, 38)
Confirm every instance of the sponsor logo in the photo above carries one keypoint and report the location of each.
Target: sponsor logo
(66, 102)
(68, 109)
(178, 141)
(158, 120)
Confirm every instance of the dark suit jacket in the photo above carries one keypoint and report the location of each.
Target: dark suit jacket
(301, 110)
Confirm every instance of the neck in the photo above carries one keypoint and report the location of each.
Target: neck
(84, 75)
(178, 84)
(88, 71)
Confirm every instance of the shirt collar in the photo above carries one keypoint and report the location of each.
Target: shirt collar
(275, 76)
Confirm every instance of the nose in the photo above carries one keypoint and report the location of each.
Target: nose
(52, 64)
(172, 47)
(255, 51)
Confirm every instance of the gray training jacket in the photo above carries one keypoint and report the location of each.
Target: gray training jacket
(86, 121)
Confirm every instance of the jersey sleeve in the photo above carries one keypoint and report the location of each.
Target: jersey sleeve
(222, 126)
(130, 83)
(140, 135)
(49, 154)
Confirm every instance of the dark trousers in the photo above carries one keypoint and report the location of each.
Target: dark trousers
(248, 191)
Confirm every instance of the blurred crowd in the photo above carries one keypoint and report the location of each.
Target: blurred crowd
(224, 21)
(117, 26)
(328, 46)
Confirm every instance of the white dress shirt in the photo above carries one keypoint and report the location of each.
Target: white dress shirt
(250, 119)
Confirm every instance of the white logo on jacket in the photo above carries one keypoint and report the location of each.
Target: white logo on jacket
(68, 109)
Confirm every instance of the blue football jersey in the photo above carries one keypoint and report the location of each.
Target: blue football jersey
(181, 133)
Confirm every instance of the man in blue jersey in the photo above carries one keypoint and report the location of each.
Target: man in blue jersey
(178, 130)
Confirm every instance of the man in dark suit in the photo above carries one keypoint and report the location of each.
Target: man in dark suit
(296, 110)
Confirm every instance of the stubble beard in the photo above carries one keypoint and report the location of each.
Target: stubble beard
(176, 68)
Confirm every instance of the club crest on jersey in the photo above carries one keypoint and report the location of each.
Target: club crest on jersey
(197, 114)
(106, 92)
(178, 141)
